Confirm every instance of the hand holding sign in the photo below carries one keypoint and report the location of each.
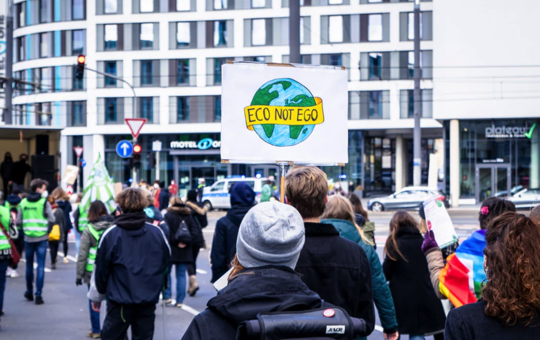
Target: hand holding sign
(438, 221)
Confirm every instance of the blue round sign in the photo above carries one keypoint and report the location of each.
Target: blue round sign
(124, 149)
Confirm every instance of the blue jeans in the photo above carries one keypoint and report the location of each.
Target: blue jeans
(77, 242)
(40, 249)
(94, 317)
(3, 269)
(180, 282)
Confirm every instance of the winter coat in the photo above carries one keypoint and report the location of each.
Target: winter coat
(58, 219)
(88, 241)
(174, 217)
(381, 292)
(224, 243)
(164, 197)
(260, 290)
(338, 270)
(132, 260)
(470, 322)
(198, 212)
(6, 170)
(369, 232)
(20, 169)
(66, 208)
(418, 309)
(435, 265)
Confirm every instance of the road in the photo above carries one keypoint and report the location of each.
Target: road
(64, 316)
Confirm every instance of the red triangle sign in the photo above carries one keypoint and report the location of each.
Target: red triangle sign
(135, 125)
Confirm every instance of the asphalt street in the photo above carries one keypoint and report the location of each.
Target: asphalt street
(65, 316)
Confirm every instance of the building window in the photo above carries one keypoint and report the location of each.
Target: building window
(410, 34)
(147, 36)
(146, 72)
(182, 110)
(183, 35)
(258, 3)
(375, 29)
(78, 42)
(335, 24)
(374, 1)
(375, 104)
(77, 113)
(146, 6)
(110, 68)
(183, 5)
(217, 110)
(78, 9)
(111, 6)
(375, 66)
(258, 32)
(45, 39)
(220, 33)
(218, 62)
(111, 37)
(220, 4)
(335, 60)
(147, 108)
(78, 84)
(183, 72)
(111, 113)
(45, 7)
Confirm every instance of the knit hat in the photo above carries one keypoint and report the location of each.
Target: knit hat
(271, 233)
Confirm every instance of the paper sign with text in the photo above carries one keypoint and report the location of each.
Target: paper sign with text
(438, 220)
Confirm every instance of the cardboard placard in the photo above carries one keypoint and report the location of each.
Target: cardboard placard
(71, 174)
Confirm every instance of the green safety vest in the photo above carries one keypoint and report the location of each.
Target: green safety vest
(4, 219)
(83, 220)
(34, 222)
(7, 205)
(93, 250)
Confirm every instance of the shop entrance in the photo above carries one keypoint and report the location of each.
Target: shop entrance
(264, 171)
(492, 180)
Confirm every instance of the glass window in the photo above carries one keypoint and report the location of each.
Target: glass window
(403, 194)
(220, 33)
(45, 45)
(335, 59)
(335, 31)
(183, 109)
(374, 1)
(410, 33)
(375, 104)
(183, 72)
(45, 11)
(375, 63)
(217, 113)
(77, 112)
(78, 42)
(147, 36)
(78, 9)
(78, 84)
(111, 37)
(111, 6)
(375, 28)
(110, 110)
(183, 5)
(302, 30)
(217, 69)
(183, 36)
(258, 3)
(110, 68)
(146, 72)
(258, 32)
(220, 4)
(147, 108)
(335, 2)
(146, 6)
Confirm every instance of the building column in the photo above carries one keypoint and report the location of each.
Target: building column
(64, 152)
(400, 162)
(535, 161)
(454, 163)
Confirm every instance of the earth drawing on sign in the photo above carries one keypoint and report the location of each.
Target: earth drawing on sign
(283, 112)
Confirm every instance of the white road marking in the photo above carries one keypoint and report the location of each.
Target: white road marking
(47, 270)
(190, 310)
(200, 271)
(69, 257)
(379, 328)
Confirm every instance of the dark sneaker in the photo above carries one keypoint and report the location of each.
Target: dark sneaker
(29, 296)
(39, 300)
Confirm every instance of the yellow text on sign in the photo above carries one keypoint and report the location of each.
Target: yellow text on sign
(284, 115)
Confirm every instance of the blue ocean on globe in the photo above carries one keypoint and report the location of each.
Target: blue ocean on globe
(281, 135)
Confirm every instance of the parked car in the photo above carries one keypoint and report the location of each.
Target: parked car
(408, 198)
(217, 196)
(526, 198)
(513, 191)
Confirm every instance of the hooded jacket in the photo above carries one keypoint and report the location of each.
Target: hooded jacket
(66, 209)
(174, 217)
(164, 197)
(224, 243)
(257, 290)
(13, 200)
(88, 241)
(131, 261)
(381, 292)
(34, 197)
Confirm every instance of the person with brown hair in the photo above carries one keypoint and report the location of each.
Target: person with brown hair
(329, 264)
(62, 201)
(418, 309)
(535, 214)
(362, 219)
(60, 221)
(510, 307)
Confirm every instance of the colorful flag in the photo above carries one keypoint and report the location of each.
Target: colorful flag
(99, 186)
(461, 279)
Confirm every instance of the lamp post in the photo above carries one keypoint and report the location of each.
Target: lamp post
(417, 134)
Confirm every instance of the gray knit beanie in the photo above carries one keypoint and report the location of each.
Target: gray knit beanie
(271, 233)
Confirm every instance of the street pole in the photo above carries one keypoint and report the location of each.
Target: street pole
(79, 174)
(294, 31)
(157, 165)
(417, 134)
(134, 184)
(8, 119)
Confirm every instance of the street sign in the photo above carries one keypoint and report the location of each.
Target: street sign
(135, 125)
(156, 146)
(78, 150)
(124, 149)
(83, 163)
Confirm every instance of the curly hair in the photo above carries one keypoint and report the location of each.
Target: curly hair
(512, 291)
(495, 207)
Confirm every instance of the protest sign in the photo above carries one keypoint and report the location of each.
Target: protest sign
(284, 113)
(71, 174)
(438, 220)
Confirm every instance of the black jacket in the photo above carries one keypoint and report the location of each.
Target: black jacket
(20, 169)
(469, 322)
(260, 290)
(164, 197)
(66, 209)
(131, 262)
(174, 217)
(338, 270)
(418, 310)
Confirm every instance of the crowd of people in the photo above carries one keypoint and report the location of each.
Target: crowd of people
(314, 251)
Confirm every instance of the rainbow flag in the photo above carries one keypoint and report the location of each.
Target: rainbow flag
(461, 279)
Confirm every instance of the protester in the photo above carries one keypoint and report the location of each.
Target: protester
(34, 216)
(179, 216)
(164, 196)
(418, 309)
(131, 262)
(263, 278)
(449, 280)
(226, 232)
(12, 203)
(173, 188)
(99, 220)
(155, 193)
(152, 212)
(198, 212)
(60, 225)
(5, 251)
(143, 185)
(336, 268)
(340, 214)
(20, 170)
(80, 219)
(362, 219)
(266, 191)
(200, 188)
(62, 200)
(6, 171)
(510, 305)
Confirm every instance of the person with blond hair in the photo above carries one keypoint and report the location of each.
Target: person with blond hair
(339, 213)
(329, 264)
(62, 201)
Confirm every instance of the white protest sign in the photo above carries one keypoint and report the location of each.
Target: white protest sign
(71, 174)
(438, 220)
(279, 113)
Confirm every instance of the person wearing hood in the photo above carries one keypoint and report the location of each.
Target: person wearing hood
(59, 220)
(99, 220)
(179, 214)
(224, 242)
(198, 211)
(20, 170)
(62, 201)
(263, 279)
(131, 262)
(35, 216)
(164, 196)
(6, 171)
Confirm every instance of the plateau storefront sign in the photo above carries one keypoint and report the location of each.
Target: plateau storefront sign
(509, 131)
(203, 144)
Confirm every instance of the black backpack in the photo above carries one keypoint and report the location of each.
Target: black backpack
(182, 234)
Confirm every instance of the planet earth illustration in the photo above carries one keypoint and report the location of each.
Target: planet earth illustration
(283, 92)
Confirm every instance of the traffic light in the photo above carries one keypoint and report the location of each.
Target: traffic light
(151, 158)
(79, 73)
(137, 156)
(136, 148)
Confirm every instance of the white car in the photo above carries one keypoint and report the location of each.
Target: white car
(526, 198)
(217, 196)
(408, 198)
